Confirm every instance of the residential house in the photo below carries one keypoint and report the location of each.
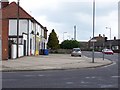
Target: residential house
(101, 43)
(32, 35)
(98, 44)
(84, 45)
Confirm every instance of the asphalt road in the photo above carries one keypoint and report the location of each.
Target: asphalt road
(102, 77)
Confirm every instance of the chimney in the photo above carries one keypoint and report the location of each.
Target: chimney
(4, 3)
(99, 35)
(114, 38)
(103, 35)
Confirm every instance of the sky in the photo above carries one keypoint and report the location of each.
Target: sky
(63, 15)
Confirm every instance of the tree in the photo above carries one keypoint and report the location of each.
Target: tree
(69, 44)
(53, 41)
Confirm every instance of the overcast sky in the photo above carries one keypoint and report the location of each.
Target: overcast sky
(62, 15)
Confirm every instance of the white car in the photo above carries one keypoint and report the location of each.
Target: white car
(107, 51)
(76, 52)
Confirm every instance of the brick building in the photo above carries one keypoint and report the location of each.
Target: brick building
(32, 35)
(99, 43)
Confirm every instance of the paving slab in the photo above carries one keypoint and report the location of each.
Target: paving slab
(52, 62)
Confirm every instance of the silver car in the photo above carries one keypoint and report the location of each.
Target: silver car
(76, 52)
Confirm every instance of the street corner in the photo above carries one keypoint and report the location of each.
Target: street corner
(99, 62)
(53, 62)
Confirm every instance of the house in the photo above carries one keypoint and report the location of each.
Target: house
(98, 44)
(102, 43)
(84, 45)
(32, 35)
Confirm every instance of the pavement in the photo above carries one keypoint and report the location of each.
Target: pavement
(51, 62)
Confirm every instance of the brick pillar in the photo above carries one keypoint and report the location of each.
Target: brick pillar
(5, 27)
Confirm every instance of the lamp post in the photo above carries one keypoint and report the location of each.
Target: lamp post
(63, 35)
(18, 30)
(68, 37)
(93, 29)
(103, 45)
(110, 35)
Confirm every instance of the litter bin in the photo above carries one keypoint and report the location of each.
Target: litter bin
(46, 52)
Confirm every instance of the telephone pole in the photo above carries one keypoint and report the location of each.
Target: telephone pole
(18, 30)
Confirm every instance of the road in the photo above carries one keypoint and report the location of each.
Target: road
(102, 77)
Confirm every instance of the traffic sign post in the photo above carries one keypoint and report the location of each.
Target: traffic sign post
(93, 41)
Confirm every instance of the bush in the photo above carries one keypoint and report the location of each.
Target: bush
(69, 44)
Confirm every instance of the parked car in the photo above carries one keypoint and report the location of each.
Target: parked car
(107, 51)
(76, 52)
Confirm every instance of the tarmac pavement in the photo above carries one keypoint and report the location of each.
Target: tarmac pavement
(51, 62)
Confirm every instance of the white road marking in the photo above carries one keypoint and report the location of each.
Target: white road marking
(40, 75)
(107, 86)
(90, 77)
(115, 76)
(87, 77)
(69, 82)
(83, 82)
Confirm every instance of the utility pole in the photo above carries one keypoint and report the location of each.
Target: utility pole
(93, 29)
(18, 30)
(75, 32)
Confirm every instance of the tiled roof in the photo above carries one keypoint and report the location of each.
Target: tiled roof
(11, 11)
(98, 38)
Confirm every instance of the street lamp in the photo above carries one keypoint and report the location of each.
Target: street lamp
(110, 35)
(63, 35)
(93, 29)
(68, 37)
(18, 29)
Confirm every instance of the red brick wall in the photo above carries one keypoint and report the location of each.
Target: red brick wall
(5, 27)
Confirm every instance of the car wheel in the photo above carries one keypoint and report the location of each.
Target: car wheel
(79, 55)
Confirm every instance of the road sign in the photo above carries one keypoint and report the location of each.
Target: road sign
(93, 40)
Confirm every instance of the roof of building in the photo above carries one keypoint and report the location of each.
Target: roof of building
(11, 12)
(98, 38)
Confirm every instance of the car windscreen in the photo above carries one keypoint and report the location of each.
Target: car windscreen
(76, 50)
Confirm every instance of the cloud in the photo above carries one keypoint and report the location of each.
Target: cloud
(109, 20)
(84, 18)
(62, 15)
